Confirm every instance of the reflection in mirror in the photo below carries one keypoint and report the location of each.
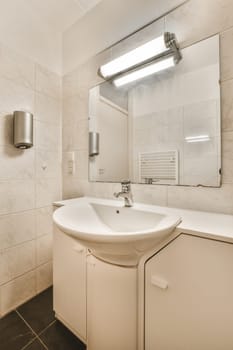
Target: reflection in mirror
(164, 129)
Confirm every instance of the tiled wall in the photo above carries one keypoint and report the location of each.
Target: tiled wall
(193, 21)
(30, 180)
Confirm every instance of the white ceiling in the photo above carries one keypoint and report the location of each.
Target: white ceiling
(35, 26)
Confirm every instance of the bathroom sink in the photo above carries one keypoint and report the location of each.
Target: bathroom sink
(114, 233)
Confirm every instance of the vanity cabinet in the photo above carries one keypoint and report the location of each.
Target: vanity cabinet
(189, 296)
(111, 306)
(69, 278)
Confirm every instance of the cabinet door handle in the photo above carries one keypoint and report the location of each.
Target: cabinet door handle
(159, 282)
(78, 249)
(90, 260)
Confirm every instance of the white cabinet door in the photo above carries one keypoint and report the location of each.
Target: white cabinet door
(111, 306)
(189, 296)
(69, 276)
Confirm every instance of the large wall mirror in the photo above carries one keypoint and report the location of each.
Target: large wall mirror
(163, 129)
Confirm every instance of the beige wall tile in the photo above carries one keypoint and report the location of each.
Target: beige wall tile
(47, 109)
(21, 259)
(15, 97)
(75, 107)
(48, 164)
(6, 130)
(44, 245)
(227, 105)
(70, 83)
(17, 292)
(4, 269)
(16, 164)
(48, 136)
(47, 191)
(44, 277)
(198, 19)
(227, 157)
(16, 195)
(226, 55)
(44, 221)
(17, 228)
(156, 195)
(217, 200)
(19, 190)
(16, 67)
(48, 82)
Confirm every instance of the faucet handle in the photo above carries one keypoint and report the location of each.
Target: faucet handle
(125, 182)
(126, 185)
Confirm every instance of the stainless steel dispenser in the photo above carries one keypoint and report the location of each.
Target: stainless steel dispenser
(93, 144)
(23, 129)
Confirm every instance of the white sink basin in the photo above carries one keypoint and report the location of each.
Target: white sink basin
(114, 233)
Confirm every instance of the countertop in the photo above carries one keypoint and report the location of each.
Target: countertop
(204, 224)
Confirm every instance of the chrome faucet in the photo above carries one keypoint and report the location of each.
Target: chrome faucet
(125, 193)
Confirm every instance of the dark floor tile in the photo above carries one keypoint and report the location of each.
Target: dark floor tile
(14, 333)
(58, 337)
(38, 312)
(35, 345)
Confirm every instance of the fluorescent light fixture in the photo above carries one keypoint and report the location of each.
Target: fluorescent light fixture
(141, 54)
(199, 138)
(144, 72)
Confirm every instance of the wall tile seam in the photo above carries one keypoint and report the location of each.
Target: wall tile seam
(34, 269)
(31, 89)
(68, 150)
(14, 81)
(20, 212)
(28, 59)
(226, 131)
(84, 118)
(57, 124)
(31, 209)
(39, 179)
(18, 276)
(4, 251)
(44, 234)
(222, 81)
(37, 291)
(44, 263)
(36, 237)
(224, 182)
(58, 98)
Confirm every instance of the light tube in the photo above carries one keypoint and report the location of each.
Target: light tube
(140, 54)
(199, 138)
(144, 72)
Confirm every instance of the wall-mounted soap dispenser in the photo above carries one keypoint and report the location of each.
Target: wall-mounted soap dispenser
(23, 129)
(93, 144)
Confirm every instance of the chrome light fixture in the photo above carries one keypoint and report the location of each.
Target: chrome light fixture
(144, 72)
(154, 56)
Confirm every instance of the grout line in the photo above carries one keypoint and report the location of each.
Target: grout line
(41, 341)
(36, 335)
(28, 344)
(18, 313)
(45, 329)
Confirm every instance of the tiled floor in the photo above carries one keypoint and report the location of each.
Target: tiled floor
(33, 327)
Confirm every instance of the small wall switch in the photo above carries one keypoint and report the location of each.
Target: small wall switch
(70, 163)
